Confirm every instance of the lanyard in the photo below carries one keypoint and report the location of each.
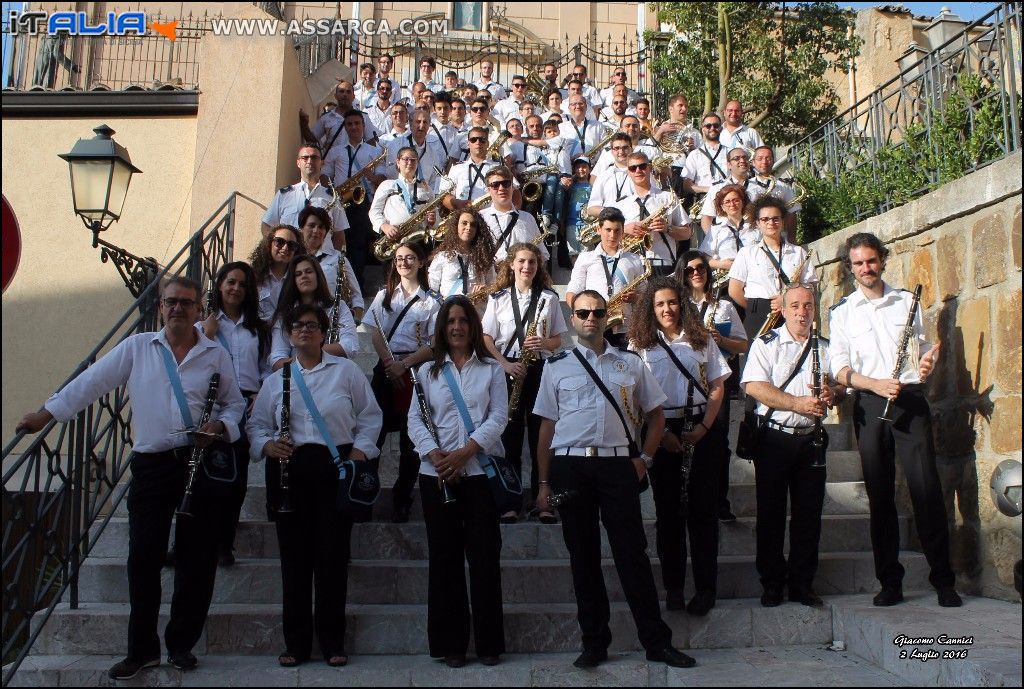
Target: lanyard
(179, 393)
(521, 321)
(618, 186)
(610, 275)
(318, 419)
(513, 218)
(777, 262)
(474, 178)
(401, 316)
(352, 157)
(407, 195)
(704, 149)
(460, 285)
(460, 403)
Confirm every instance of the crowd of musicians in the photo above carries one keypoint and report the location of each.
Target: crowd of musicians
(686, 293)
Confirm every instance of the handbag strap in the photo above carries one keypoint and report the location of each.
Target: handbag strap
(179, 393)
(633, 447)
(401, 316)
(318, 419)
(460, 404)
(776, 262)
(792, 374)
(682, 369)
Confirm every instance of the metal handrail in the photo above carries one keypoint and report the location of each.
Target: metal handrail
(907, 107)
(60, 490)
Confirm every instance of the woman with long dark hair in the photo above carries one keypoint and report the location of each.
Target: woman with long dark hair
(733, 228)
(235, 323)
(464, 261)
(306, 284)
(315, 536)
(667, 333)
(270, 261)
(461, 378)
(523, 295)
(405, 311)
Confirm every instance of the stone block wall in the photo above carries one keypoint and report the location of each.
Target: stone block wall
(962, 242)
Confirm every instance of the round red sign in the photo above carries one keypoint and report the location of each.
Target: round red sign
(11, 243)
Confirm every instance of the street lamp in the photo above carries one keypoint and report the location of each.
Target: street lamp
(101, 171)
(910, 57)
(944, 28)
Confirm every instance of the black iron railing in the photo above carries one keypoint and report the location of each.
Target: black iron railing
(61, 486)
(955, 110)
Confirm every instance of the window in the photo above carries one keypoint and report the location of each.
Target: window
(468, 16)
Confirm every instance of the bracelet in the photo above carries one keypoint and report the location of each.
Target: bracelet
(544, 483)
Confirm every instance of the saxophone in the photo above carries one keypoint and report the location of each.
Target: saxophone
(494, 149)
(351, 190)
(452, 221)
(526, 358)
(599, 146)
(615, 305)
(773, 318)
(408, 231)
(533, 187)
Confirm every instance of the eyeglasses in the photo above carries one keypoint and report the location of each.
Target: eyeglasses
(305, 326)
(500, 184)
(282, 243)
(584, 314)
(476, 139)
(311, 157)
(407, 159)
(621, 148)
(172, 303)
(774, 219)
(691, 270)
(479, 108)
(639, 167)
(405, 259)
(384, 87)
(736, 159)
(576, 105)
(619, 74)
(712, 125)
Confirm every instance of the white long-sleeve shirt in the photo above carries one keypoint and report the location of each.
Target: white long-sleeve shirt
(483, 387)
(243, 346)
(281, 344)
(341, 393)
(157, 424)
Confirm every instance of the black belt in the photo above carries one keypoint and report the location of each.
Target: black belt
(789, 430)
(183, 453)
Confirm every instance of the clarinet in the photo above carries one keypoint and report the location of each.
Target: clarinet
(285, 506)
(334, 333)
(560, 499)
(185, 509)
(686, 455)
(901, 350)
(820, 441)
(428, 421)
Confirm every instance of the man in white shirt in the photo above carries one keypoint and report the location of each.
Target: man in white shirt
(619, 79)
(706, 164)
(551, 79)
(587, 133)
(485, 83)
(384, 64)
(399, 124)
(763, 163)
(167, 375)
(508, 225)
(366, 89)
(735, 133)
(428, 65)
(738, 166)
(593, 96)
(289, 200)
(867, 328)
(428, 150)
(329, 130)
(508, 107)
(470, 176)
(380, 109)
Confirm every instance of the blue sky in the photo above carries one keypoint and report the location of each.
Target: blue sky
(968, 11)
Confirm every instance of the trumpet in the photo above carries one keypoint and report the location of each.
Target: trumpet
(533, 187)
(351, 190)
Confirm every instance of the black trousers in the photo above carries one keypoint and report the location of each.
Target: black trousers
(782, 468)
(465, 531)
(233, 504)
(609, 491)
(909, 438)
(700, 519)
(524, 421)
(158, 483)
(721, 429)
(315, 543)
(358, 238)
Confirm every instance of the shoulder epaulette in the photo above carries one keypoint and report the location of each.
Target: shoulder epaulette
(625, 350)
(768, 336)
(837, 304)
(284, 189)
(548, 289)
(499, 293)
(557, 357)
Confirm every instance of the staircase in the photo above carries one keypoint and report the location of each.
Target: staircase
(738, 641)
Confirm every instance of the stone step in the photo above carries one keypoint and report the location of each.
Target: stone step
(526, 540)
(99, 628)
(403, 582)
(803, 665)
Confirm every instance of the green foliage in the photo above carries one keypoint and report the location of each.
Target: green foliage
(726, 50)
(965, 133)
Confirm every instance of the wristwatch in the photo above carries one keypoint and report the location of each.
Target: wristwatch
(648, 460)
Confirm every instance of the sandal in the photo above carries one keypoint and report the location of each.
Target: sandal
(287, 659)
(338, 660)
(547, 518)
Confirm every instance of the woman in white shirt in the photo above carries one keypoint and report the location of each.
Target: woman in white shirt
(465, 260)
(270, 261)
(461, 374)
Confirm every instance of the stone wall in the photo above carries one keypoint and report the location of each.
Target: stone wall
(962, 242)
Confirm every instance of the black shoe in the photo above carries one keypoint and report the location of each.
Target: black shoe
(949, 598)
(184, 661)
(455, 661)
(590, 659)
(129, 667)
(672, 657)
(701, 603)
(889, 595)
(772, 597)
(726, 517)
(806, 596)
(400, 515)
(675, 600)
(490, 661)
(227, 558)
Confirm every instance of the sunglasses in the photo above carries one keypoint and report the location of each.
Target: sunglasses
(639, 167)
(712, 125)
(518, 86)
(476, 139)
(500, 184)
(281, 243)
(691, 270)
(479, 108)
(305, 326)
(584, 314)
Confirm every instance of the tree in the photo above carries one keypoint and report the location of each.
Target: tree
(771, 56)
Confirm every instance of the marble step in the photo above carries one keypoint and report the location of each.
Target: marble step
(526, 540)
(403, 582)
(101, 628)
(803, 665)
